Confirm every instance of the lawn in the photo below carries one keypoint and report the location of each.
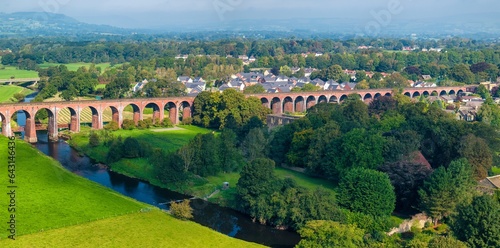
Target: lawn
(305, 180)
(56, 208)
(11, 71)
(495, 170)
(149, 229)
(76, 66)
(8, 91)
(49, 196)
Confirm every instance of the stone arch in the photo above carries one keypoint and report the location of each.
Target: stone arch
(343, 98)
(172, 112)
(131, 111)
(416, 94)
(460, 92)
(288, 104)
(443, 93)
(276, 105)
(299, 104)
(388, 94)
(6, 128)
(434, 93)
(333, 99)
(152, 110)
(265, 102)
(185, 110)
(408, 94)
(90, 114)
(24, 122)
(51, 124)
(69, 116)
(367, 96)
(425, 93)
(310, 102)
(377, 96)
(322, 99)
(452, 93)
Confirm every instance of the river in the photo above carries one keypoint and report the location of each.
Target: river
(224, 220)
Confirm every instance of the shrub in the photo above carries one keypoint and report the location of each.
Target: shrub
(187, 121)
(167, 123)
(94, 139)
(142, 124)
(112, 126)
(131, 148)
(181, 210)
(128, 124)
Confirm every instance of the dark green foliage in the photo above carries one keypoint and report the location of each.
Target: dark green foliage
(131, 148)
(477, 152)
(115, 152)
(367, 191)
(254, 144)
(187, 121)
(446, 188)
(118, 88)
(230, 157)
(94, 139)
(478, 224)
(168, 167)
(128, 124)
(407, 178)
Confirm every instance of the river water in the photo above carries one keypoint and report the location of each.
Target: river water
(224, 220)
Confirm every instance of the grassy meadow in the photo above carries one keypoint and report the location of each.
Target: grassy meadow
(76, 66)
(8, 91)
(495, 170)
(56, 208)
(150, 229)
(12, 71)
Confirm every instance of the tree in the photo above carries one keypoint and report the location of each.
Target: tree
(477, 152)
(256, 178)
(254, 89)
(407, 178)
(254, 144)
(19, 97)
(118, 88)
(94, 139)
(367, 191)
(181, 210)
(482, 91)
(462, 73)
(445, 189)
(131, 148)
(321, 233)
(478, 224)
(446, 242)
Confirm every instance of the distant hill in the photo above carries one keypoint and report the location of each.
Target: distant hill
(29, 24)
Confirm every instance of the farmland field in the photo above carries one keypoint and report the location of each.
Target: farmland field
(11, 71)
(8, 91)
(75, 66)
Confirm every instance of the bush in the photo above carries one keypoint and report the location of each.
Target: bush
(115, 152)
(187, 121)
(112, 126)
(131, 148)
(142, 124)
(167, 123)
(181, 210)
(19, 97)
(94, 139)
(128, 124)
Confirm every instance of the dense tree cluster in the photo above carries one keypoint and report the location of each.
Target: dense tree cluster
(229, 109)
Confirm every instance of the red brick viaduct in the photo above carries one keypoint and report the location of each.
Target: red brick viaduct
(279, 103)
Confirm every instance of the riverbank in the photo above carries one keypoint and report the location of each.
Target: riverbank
(56, 208)
(171, 140)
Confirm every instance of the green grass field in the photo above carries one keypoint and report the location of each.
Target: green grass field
(11, 71)
(151, 229)
(76, 66)
(56, 208)
(495, 170)
(50, 197)
(8, 91)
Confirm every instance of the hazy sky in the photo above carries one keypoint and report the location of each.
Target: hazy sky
(152, 13)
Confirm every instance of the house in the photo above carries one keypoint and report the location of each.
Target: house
(140, 85)
(489, 184)
(183, 56)
(348, 86)
(184, 79)
(426, 77)
(252, 59)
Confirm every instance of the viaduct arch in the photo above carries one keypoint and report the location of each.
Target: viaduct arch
(177, 106)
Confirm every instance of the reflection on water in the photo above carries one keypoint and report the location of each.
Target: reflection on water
(221, 219)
